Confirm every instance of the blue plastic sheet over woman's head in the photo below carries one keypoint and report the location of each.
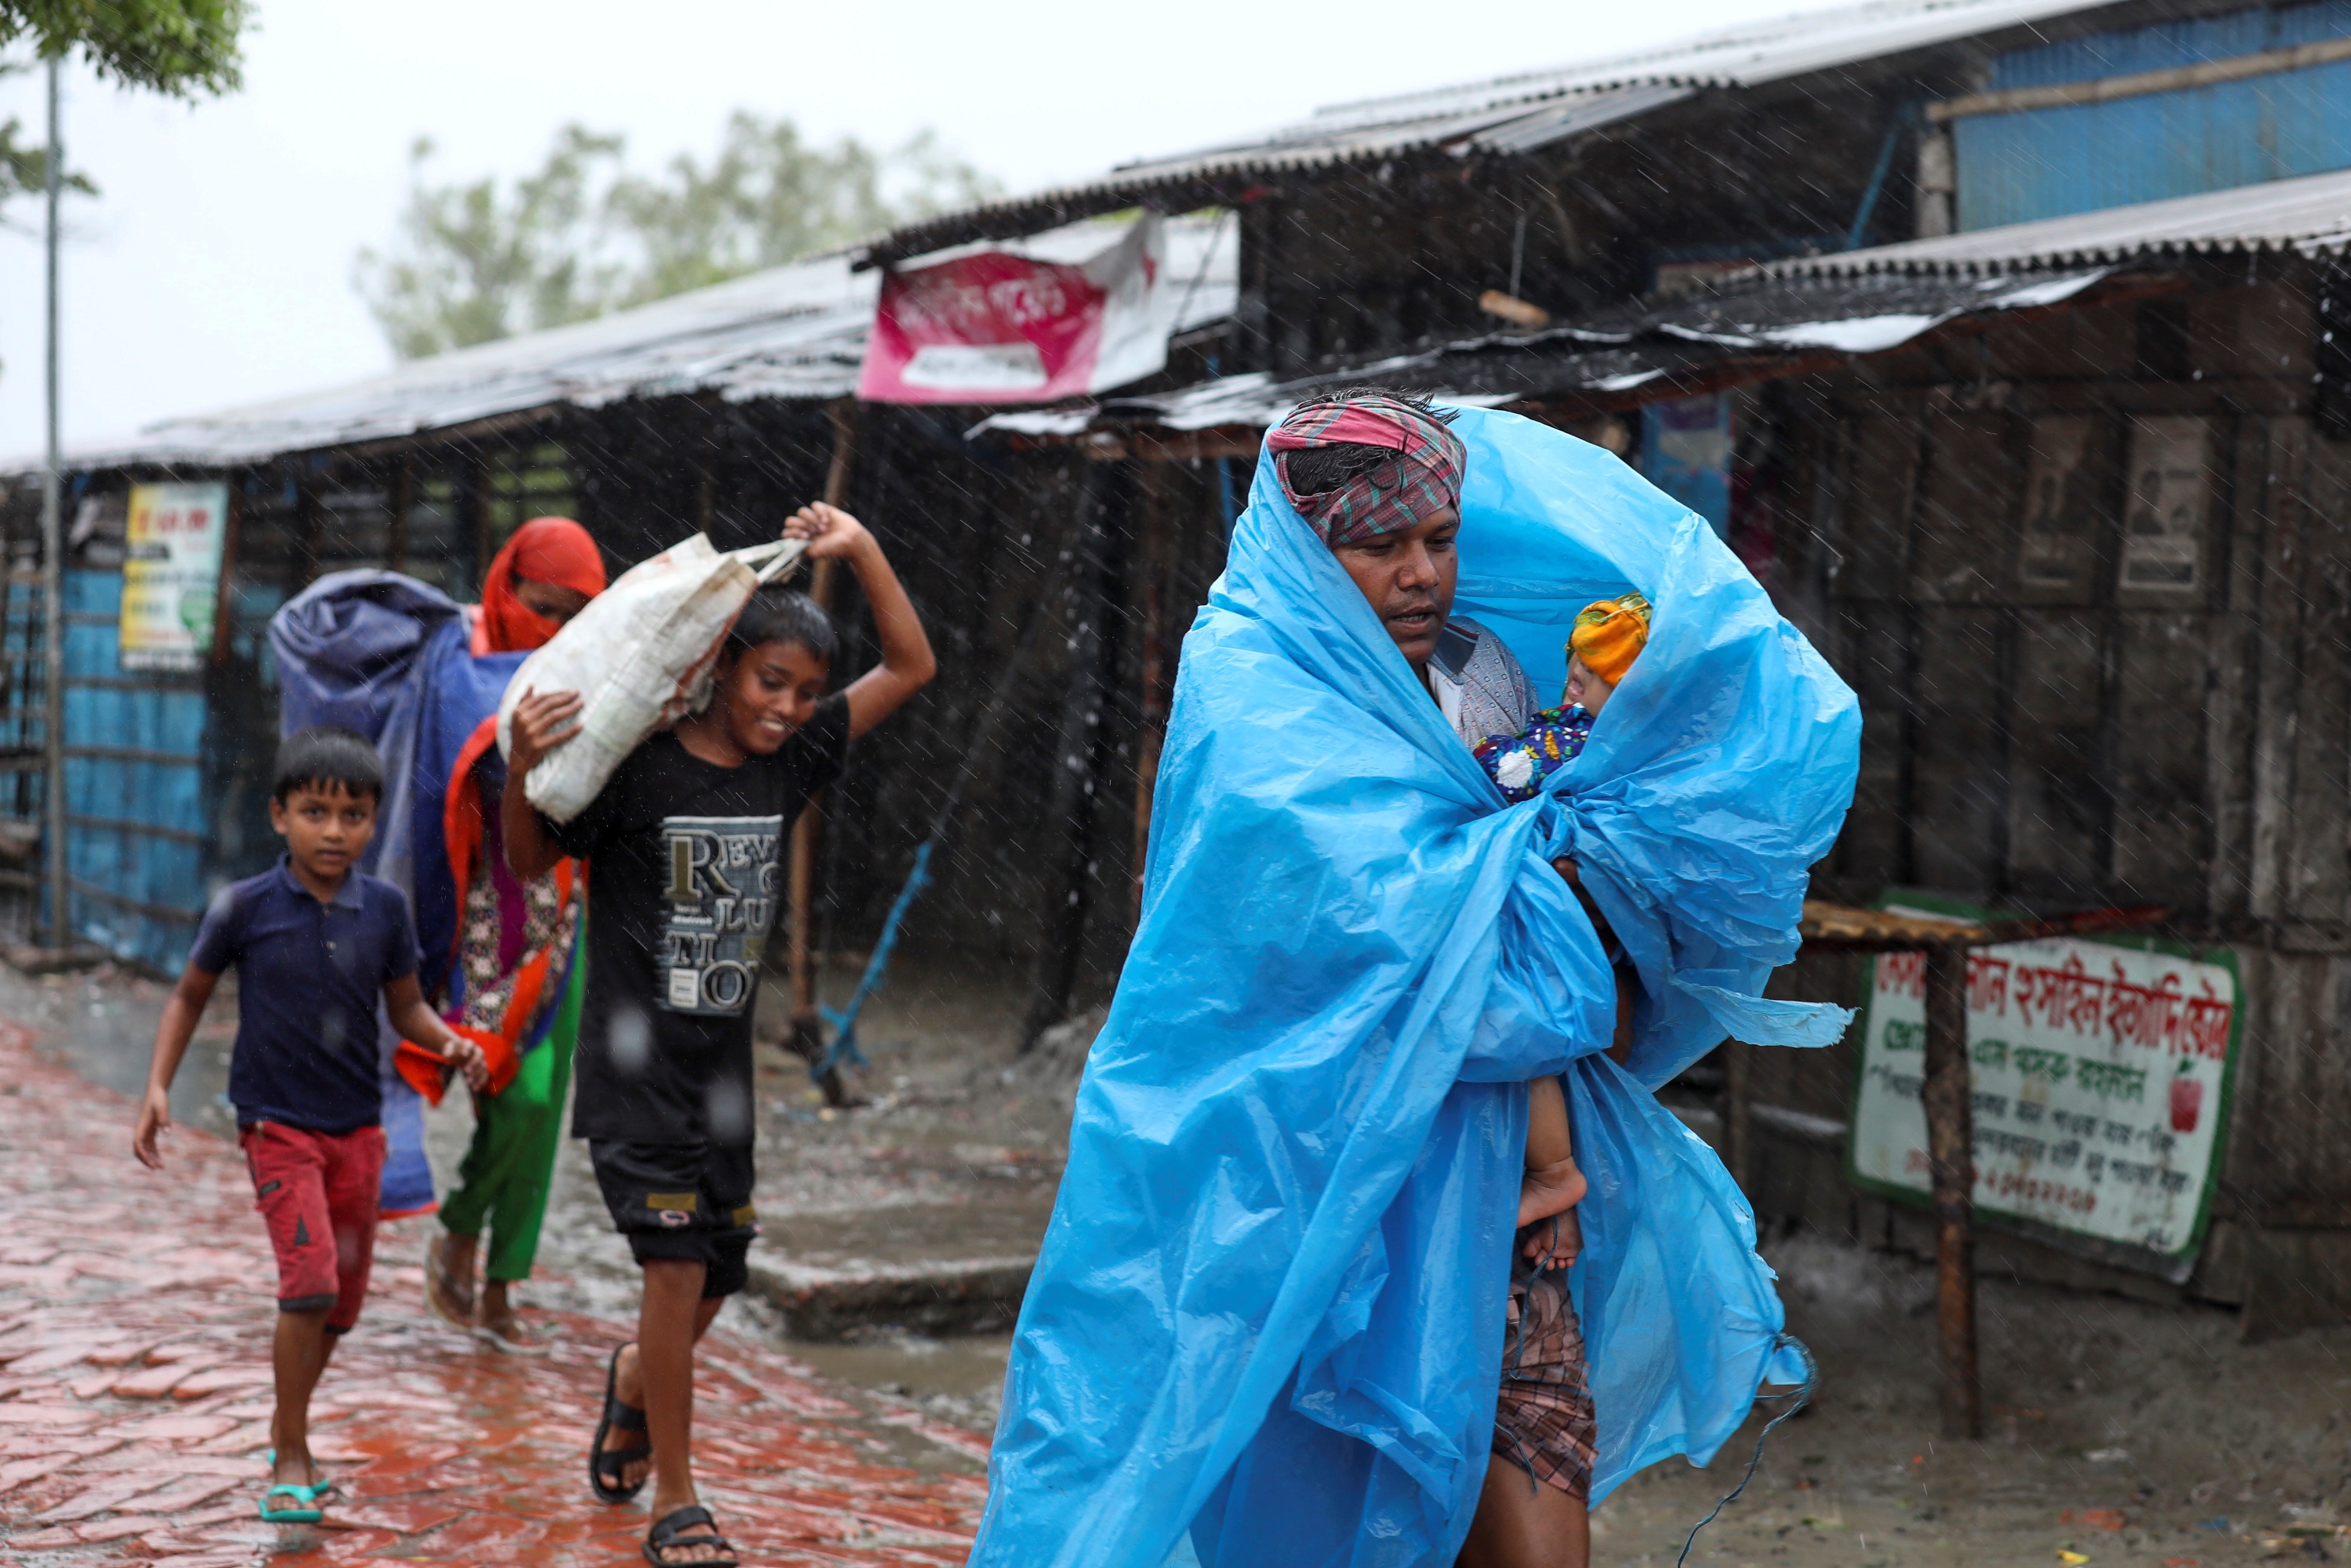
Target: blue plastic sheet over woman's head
(1268, 1313)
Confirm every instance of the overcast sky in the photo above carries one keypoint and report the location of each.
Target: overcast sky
(215, 268)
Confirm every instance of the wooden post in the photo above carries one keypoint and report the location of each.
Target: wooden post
(224, 589)
(1738, 1143)
(706, 486)
(1152, 501)
(308, 528)
(1076, 764)
(1950, 1138)
(806, 1036)
(401, 501)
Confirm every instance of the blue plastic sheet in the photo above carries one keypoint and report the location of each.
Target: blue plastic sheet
(1267, 1319)
(388, 656)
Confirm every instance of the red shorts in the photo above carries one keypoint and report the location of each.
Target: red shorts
(318, 1192)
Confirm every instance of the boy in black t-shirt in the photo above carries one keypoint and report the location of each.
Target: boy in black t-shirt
(686, 845)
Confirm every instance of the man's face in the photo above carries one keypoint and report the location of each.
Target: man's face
(1407, 578)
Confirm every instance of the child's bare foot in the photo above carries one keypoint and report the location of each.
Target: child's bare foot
(1555, 1243)
(502, 1327)
(1549, 1190)
(449, 1279)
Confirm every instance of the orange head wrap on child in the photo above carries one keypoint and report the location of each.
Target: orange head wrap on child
(554, 551)
(1609, 634)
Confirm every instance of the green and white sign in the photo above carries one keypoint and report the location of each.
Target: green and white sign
(2101, 1071)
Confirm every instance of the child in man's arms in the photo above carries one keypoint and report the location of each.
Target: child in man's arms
(1545, 1424)
(686, 845)
(1609, 635)
(316, 943)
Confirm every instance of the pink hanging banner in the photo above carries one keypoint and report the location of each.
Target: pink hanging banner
(996, 326)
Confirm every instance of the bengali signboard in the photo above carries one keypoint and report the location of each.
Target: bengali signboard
(170, 574)
(2101, 1071)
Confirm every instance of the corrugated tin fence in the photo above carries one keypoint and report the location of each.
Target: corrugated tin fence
(136, 817)
(2045, 163)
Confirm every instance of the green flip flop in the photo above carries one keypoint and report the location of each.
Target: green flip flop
(307, 1511)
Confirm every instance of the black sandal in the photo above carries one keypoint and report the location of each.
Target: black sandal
(608, 1467)
(668, 1534)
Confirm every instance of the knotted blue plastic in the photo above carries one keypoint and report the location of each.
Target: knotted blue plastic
(1268, 1311)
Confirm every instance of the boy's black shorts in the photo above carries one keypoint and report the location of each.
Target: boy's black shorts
(685, 1201)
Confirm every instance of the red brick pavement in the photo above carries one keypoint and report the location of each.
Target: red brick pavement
(135, 1310)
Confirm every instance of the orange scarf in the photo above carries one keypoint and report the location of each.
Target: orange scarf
(545, 549)
(554, 551)
(1609, 634)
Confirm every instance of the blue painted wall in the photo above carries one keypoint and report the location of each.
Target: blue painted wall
(2047, 162)
(1686, 449)
(117, 870)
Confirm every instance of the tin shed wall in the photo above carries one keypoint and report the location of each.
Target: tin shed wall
(137, 821)
(2047, 162)
(2044, 728)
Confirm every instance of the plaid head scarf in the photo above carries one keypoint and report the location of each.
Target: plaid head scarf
(1422, 478)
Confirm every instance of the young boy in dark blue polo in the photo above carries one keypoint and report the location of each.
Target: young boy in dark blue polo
(315, 942)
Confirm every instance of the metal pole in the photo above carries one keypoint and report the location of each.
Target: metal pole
(52, 573)
(1950, 1153)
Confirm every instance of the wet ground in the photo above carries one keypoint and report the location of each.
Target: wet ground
(945, 1171)
(134, 1393)
(2122, 1433)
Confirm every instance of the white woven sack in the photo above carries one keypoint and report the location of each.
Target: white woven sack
(640, 656)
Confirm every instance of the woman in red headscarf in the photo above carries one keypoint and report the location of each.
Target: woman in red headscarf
(516, 978)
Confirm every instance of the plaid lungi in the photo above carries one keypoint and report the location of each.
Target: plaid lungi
(1544, 1422)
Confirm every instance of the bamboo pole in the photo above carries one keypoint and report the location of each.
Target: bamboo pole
(1071, 813)
(807, 1035)
(1151, 484)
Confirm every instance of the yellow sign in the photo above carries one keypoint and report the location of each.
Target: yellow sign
(171, 575)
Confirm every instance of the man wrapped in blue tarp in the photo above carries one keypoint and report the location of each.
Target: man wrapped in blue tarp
(1268, 1324)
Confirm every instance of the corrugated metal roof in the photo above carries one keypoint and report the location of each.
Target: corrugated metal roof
(791, 332)
(1512, 126)
(1773, 323)
(1526, 109)
(2311, 214)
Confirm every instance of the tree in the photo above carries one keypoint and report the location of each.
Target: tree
(183, 48)
(25, 166)
(583, 235)
(769, 198)
(476, 265)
